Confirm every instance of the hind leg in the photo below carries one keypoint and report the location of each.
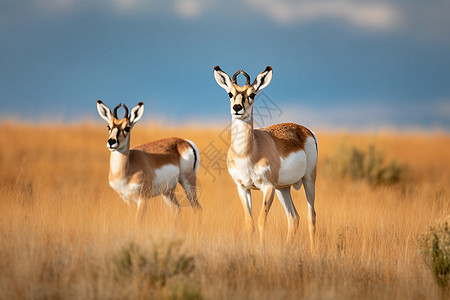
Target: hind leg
(310, 191)
(284, 195)
(171, 200)
(189, 184)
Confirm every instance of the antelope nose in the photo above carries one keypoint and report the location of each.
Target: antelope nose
(111, 142)
(237, 107)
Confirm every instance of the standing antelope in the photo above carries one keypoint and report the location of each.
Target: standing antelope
(270, 159)
(152, 169)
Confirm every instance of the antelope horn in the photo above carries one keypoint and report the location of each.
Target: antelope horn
(115, 110)
(246, 77)
(235, 75)
(126, 111)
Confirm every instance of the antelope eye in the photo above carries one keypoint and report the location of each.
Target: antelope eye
(109, 128)
(126, 129)
(230, 95)
(252, 96)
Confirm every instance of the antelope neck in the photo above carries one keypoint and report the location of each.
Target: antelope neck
(242, 136)
(119, 160)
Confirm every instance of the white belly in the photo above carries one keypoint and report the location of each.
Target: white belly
(292, 168)
(166, 178)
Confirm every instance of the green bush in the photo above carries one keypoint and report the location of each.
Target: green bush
(154, 265)
(352, 162)
(435, 250)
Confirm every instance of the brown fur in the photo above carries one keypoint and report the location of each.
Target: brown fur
(266, 145)
(288, 137)
(162, 152)
(246, 89)
(156, 154)
(146, 158)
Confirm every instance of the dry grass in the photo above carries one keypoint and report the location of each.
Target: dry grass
(62, 228)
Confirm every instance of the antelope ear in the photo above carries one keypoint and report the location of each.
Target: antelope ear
(104, 111)
(262, 80)
(136, 113)
(222, 79)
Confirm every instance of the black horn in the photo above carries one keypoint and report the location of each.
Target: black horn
(247, 77)
(115, 110)
(126, 111)
(235, 75)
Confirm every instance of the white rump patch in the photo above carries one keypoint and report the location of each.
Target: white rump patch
(188, 157)
(311, 154)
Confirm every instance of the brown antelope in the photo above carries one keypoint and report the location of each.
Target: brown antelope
(270, 159)
(152, 169)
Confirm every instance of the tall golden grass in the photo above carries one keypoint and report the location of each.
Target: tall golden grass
(63, 229)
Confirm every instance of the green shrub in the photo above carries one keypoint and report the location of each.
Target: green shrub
(154, 265)
(435, 250)
(352, 162)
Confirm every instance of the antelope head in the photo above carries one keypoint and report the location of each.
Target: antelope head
(242, 97)
(119, 129)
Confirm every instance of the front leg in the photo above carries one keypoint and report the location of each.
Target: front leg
(246, 201)
(141, 210)
(269, 193)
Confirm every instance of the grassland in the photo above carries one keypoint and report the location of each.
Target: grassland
(65, 234)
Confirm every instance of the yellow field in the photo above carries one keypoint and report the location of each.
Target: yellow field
(63, 230)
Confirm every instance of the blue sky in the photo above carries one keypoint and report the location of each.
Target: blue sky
(337, 63)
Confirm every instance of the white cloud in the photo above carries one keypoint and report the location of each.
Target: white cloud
(377, 14)
(190, 9)
(428, 21)
(374, 15)
(128, 5)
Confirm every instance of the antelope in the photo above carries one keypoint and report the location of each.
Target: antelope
(152, 169)
(270, 159)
